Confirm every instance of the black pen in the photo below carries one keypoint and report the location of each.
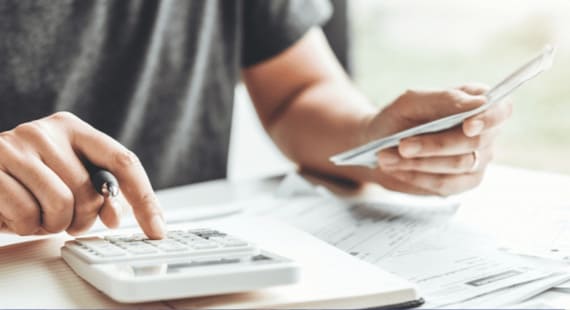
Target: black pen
(104, 182)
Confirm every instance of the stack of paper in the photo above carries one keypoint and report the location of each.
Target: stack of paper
(452, 266)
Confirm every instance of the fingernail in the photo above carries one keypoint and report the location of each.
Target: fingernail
(475, 128)
(158, 226)
(411, 147)
(388, 159)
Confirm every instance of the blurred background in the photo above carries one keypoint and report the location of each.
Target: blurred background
(440, 43)
(390, 46)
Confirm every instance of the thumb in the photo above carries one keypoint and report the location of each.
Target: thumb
(424, 106)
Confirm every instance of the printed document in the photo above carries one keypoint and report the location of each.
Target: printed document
(450, 264)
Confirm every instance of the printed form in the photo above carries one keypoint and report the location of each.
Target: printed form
(450, 264)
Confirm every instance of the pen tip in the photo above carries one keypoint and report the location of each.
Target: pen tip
(113, 190)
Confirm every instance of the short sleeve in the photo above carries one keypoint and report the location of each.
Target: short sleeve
(271, 26)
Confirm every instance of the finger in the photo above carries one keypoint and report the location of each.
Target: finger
(474, 89)
(61, 158)
(447, 143)
(54, 197)
(457, 164)
(441, 184)
(111, 212)
(436, 104)
(19, 210)
(107, 153)
(489, 119)
(390, 183)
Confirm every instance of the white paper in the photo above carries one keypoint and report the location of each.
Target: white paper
(370, 231)
(449, 276)
(516, 294)
(421, 244)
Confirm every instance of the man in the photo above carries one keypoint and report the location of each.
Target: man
(157, 78)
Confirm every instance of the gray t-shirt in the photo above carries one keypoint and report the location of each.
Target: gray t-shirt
(158, 76)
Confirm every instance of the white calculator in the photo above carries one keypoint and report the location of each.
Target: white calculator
(187, 263)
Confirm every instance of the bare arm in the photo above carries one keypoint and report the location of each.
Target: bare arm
(308, 105)
(312, 111)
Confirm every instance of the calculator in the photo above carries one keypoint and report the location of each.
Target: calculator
(187, 263)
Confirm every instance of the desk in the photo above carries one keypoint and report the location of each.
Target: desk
(503, 191)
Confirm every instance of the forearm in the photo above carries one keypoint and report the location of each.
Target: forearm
(323, 119)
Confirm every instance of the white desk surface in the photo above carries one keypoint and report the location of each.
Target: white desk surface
(489, 207)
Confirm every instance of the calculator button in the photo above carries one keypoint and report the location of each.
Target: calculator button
(190, 239)
(203, 245)
(167, 245)
(229, 242)
(102, 248)
(138, 247)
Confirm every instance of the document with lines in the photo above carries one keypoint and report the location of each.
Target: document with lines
(399, 238)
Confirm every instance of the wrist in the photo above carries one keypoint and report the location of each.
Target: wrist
(365, 129)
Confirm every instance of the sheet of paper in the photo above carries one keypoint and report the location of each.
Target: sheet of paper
(397, 238)
(514, 295)
(369, 231)
(449, 276)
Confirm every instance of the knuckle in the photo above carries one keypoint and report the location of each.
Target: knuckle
(4, 137)
(449, 95)
(32, 130)
(409, 93)
(64, 201)
(125, 159)
(63, 116)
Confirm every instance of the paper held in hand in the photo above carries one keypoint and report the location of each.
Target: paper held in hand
(365, 155)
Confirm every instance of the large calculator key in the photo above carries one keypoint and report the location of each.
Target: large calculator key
(203, 245)
(102, 248)
(138, 247)
(229, 242)
(167, 245)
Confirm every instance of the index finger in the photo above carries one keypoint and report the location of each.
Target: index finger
(109, 154)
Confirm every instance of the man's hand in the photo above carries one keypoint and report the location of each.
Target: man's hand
(440, 163)
(45, 188)
(312, 111)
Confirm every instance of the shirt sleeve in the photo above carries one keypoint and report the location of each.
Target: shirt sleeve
(271, 26)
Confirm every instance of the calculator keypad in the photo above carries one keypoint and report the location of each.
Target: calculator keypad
(196, 242)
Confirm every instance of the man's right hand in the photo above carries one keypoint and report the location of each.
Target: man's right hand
(45, 188)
